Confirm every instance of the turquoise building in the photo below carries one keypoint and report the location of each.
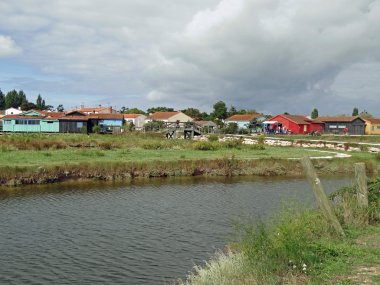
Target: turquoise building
(30, 122)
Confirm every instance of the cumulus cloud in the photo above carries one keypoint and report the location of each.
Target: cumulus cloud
(8, 47)
(263, 54)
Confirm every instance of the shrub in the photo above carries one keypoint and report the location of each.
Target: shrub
(233, 144)
(96, 129)
(261, 140)
(83, 130)
(205, 145)
(152, 145)
(213, 138)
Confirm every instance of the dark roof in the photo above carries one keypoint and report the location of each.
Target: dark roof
(73, 118)
(52, 114)
(243, 117)
(339, 119)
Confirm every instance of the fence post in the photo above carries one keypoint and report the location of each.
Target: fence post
(319, 193)
(361, 188)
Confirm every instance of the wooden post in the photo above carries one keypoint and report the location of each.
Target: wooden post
(320, 195)
(361, 189)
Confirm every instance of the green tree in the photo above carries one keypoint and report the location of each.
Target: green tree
(134, 111)
(193, 112)
(232, 111)
(12, 99)
(231, 128)
(355, 112)
(314, 113)
(159, 109)
(60, 108)
(220, 111)
(39, 102)
(2, 100)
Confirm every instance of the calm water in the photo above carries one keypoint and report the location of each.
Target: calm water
(130, 234)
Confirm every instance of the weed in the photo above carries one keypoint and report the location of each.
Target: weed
(206, 145)
(213, 138)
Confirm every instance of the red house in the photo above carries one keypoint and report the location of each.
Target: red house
(298, 124)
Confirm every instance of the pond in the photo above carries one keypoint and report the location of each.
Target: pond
(138, 233)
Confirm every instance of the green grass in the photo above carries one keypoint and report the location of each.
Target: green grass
(340, 138)
(299, 247)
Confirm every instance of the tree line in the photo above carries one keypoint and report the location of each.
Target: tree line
(17, 99)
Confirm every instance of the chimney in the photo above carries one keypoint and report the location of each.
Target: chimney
(110, 109)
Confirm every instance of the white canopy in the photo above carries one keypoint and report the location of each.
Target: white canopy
(270, 122)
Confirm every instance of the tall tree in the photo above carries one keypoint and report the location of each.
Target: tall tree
(314, 113)
(2, 100)
(355, 112)
(232, 111)
(39, 102)
(220, 111)
(12, 100)
(60, 108)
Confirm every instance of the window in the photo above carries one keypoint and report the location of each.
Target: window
(79, 125)
(378, 127)
(373, 128)
(341, 127)
(33, 122)
(7, 122)
(49, 122)
(332, 126)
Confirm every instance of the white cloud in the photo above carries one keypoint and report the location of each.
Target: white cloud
(264, 54)
(8, 47)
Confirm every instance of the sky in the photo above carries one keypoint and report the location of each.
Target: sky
(274, 56)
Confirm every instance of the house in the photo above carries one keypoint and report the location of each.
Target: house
(207, 126)
(296, 124)
(372, 126)
(169, 117)
(32, 121)
(108, 123)
(244, 120)
(74, 122)
(13, 111)
(97, 110)
(337, 125)
(138, 120)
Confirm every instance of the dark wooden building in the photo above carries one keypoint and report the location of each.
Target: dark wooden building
(74, 122)
(337, 125)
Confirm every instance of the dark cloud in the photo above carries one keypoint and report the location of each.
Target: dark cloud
(272, 55)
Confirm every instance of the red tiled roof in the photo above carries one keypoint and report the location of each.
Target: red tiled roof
(106, 116)
(96, 109)
(132, 116)
(22, 117)
(162, 115)
(372, 120)
(338, 119)
(244, 117)
(300, 119)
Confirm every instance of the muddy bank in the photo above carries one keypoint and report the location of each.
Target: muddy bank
(113, 171)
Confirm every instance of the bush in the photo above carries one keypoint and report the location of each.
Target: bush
(261, 140)
(213, 138)
(205, 145)
(233, 144)
(96, 129)
(83, 130)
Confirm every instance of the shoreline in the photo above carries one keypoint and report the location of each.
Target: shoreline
(223, 167)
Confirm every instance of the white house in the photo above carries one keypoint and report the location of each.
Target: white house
(13, 111)
(170, 117)
(137, 119)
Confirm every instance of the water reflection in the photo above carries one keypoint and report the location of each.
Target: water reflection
(130, 233)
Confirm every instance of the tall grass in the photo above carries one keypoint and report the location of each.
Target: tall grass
(300, 247)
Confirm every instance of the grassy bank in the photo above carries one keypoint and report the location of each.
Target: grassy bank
(38, 158)
(302, 248)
